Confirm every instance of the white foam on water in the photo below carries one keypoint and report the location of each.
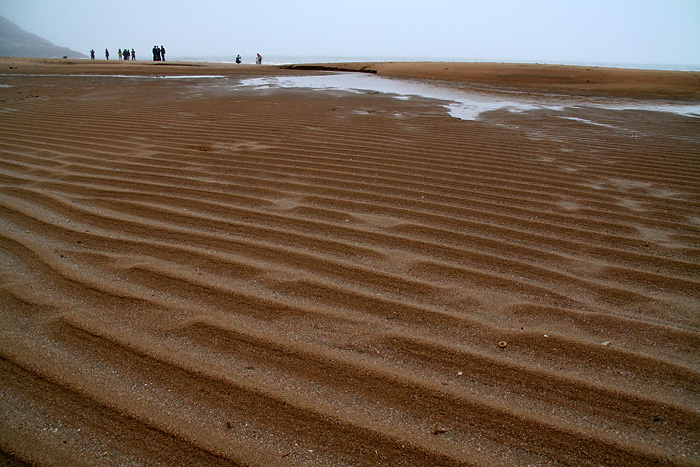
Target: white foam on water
(462, 104)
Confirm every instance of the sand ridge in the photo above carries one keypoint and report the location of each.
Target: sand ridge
(194, 275)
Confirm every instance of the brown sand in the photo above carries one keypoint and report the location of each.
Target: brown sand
(195, 276)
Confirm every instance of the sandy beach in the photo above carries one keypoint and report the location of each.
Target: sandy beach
(196, 272)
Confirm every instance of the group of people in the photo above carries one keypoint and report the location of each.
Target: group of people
(258, 59)
(123, 55)
(158, 53)
(126, 54)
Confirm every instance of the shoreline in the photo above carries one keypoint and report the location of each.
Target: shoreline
(561, 79)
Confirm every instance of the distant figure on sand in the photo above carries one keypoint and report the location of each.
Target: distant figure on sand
(133, 54)
(107, 54)
(92, 54)
(126, 54)
(162, 53)
(258, 60)
(238, 59)
(156, 53)
(120, 54)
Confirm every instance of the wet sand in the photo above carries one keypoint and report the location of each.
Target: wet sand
(195, 273)
(566, 79)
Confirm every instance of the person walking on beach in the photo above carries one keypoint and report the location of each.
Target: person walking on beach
(126, 54)
(162, 53)
(133, 54)
(120, 54)
(92, 54)
(107, 54)
(258, 59)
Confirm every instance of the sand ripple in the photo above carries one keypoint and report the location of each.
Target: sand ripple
(297, 278)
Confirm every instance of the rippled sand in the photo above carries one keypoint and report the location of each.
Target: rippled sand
(200, 273)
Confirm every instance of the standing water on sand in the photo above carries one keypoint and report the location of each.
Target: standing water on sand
(461, 103)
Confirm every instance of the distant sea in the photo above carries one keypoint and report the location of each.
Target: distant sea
(291, 59)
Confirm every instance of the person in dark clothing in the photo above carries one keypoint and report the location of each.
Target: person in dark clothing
(126, 54)
(162, 53)
(133, 54)
(92, 54)
(238, 58)
(107, 54)
(156, 54)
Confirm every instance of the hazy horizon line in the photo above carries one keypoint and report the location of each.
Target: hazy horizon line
(294, 59)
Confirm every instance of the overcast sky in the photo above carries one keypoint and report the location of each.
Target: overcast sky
(552, 31)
